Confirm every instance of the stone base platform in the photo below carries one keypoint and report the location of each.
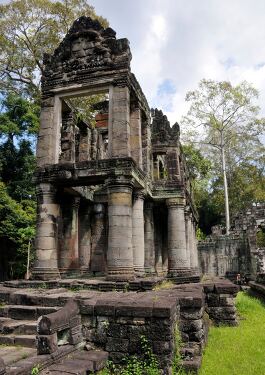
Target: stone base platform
(94, 283)
(115, 321)
(139, 284)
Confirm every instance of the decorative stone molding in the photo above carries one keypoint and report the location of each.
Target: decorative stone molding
(175, 202)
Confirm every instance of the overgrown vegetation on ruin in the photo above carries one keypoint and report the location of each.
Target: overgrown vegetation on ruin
(238, 350)
(147, 364)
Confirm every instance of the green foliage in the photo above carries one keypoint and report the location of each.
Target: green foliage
(239, 350)
(200, 235)
(17, 228)
(261, 238)
(199, 166)
(35, 370)
(147, 363)
(19, 117)
(84, 107)
(246, 185)
(223, 122)
(17, 165)
(133, 365)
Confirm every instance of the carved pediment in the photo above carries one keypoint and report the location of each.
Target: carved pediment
(87, 46)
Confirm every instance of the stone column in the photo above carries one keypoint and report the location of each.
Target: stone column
(177, 251)
(46, 264)
(146, 144)
(149, 240)
(75, 234)
(136, 136)
(85, 239)
(48, 145)
(189, 235)
(194, 260)
(120, 252)
(69, 251)
(119, 122)
(138, 233)
(165, 257)
(158, 252)
(98, 262)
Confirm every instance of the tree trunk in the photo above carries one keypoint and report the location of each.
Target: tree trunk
(227, 215)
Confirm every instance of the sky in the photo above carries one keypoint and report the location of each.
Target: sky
(176, 43)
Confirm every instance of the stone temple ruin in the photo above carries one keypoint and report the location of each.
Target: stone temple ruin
(239, 252)
(114, 198)
(114, 201)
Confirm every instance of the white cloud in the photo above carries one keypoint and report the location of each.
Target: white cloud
(147, 59)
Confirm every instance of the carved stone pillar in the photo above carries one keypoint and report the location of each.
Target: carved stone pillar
(69, 252)
(119, 122)
(136, 136)
(98, 262)
(138, 233)
(46, 264)
(177, 255)
(194, 261)
(85, 239)
(189, 235)
(158, 253)
(149, 240)
(165, 257)
(75, 233)
(120, 252)
(48, 145)
(146, 145)
(159, 231)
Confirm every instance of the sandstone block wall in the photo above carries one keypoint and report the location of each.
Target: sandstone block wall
(117, 325)
(220, 302)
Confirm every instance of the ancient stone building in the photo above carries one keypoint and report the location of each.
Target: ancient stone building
(113, 194)
(239, 252)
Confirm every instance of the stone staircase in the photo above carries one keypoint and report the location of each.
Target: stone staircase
(18, 324)
(18, 330)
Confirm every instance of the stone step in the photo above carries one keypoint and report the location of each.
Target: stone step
(79, 363)
(185, 279)
(28, 341)
(22, 312)
(66, 361)
(25, 365)
(24, 327)
(192, 365)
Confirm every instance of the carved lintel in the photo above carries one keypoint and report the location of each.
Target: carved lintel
(178, 202)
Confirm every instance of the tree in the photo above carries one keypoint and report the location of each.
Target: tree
(19, 121)
(19, 117)
(28, 29)
(200, 173)
(223, 118)
(17, 227)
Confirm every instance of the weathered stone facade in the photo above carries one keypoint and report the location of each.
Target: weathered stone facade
(114, 197)
(238, 252)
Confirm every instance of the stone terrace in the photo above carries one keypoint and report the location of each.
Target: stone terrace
(114, 322)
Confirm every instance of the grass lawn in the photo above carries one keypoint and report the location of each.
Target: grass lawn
(238, 350)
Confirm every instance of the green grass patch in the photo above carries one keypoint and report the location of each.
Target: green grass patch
(166, 284)
(238, 350)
